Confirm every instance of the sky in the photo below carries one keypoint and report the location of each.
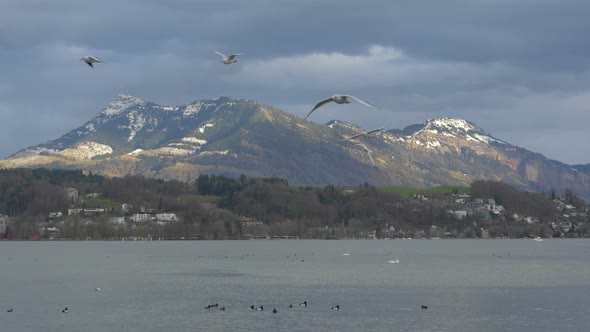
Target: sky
(520, 70)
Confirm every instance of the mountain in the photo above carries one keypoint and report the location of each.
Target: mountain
(236, 136)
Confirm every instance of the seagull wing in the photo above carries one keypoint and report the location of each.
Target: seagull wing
(89, 63)
(353, 137)
(95, 59)
(362, 102)
(320, 104)
(374, 131)
(231, 57)
(371, 157)
(222, 55)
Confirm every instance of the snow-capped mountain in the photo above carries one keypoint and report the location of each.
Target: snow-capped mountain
(236, 136)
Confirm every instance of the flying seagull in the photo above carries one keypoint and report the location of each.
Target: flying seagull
(367, 134)
(368, 152)
(90, 60)
(228, 59)
(339, 99)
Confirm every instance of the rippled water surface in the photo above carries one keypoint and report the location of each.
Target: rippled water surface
(468, 285)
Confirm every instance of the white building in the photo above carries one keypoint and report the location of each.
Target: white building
(126, 207)
(3, 223)
(166, 217)
(74, 211)
(141, 217)
(459, 214)
(118, 222)
(72, 194)
(55, 214)
(50, 232)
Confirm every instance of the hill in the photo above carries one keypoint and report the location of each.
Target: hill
(236, 136)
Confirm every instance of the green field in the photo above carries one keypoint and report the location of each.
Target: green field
(407, 192)
(200, 198)
(102, 203)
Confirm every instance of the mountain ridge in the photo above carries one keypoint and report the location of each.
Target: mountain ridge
(239, 136)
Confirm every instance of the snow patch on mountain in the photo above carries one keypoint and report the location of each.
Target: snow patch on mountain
(202, 129)
(120, 104)
(87, 150)
(135, 152)
(195, 108)
(136, 122)
(90, 127)
(194, 140)
(456, 128)
(208, 153)
(172, 151)
(432, 144)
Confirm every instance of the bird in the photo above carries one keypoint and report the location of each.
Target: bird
(222, 308)
(393, 261)
(290, 306)
(97, 289)
(367, 134)
(65, 310)
(274, 310)
(304, 304)
(228, 59)
(90, 60)
(369, 152)
(346, 253)
(261, 308)
(339, 99)
(337, 307)
(10, 310)
(424, 307)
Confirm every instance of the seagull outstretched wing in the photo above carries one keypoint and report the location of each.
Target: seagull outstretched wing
(95, 59)
(362, 102)
(354, 136)
(320, 104)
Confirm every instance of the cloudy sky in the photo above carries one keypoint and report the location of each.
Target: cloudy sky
(520, 69)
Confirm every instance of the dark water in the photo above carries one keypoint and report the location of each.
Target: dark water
(468, 285)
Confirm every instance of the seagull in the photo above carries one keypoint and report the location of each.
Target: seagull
(424, 307)
(274, 310)
(304, 304)
(393, 261)
(97, 289)
(90, 60)
(367, 134)
(10, 310)
(339, 99)
(65, 310)
(229, 59)
(346, 253)
(369, 152)
(337, 307)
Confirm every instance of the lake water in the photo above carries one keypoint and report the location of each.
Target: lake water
(468, 285)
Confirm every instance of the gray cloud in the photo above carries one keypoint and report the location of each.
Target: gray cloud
(517, 69)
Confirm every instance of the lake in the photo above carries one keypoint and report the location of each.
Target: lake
(467, 285)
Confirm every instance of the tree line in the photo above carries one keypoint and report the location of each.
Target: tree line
(30, 194)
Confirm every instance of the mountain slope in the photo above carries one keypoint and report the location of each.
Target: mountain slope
(235, 136)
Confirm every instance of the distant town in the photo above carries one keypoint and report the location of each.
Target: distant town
(70, 205)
